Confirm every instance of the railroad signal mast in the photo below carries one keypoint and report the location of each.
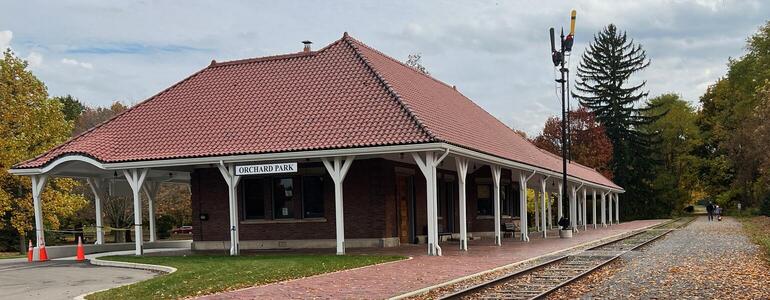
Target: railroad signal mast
(558, 57)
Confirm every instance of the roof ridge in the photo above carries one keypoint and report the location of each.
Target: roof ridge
(438, 81)
(92, 129)
(403, 64)
(350, 42)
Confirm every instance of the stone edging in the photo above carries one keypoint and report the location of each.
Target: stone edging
(459, 279)
(119, 264)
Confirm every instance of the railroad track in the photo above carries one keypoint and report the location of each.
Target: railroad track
(540, 280)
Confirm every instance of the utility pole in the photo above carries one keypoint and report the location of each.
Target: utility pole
(558, 58)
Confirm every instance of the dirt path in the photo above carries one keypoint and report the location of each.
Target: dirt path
(705, 260)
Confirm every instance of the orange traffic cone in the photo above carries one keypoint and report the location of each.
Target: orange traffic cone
(81, 256)
(30, 251)
(43, 255)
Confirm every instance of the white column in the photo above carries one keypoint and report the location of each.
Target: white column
(523, 207)
(428, 168)
(228, 173)
(573, 209)
(462, 171)
(537, 210)
(151, 189)
(609, 200)
(496, 170)
(337, 170)
(579, 211)
(97, 187)
(544, 196)
(617, 208)
(550, 215)
(604, 209)
(38, 183)
(135, 178)
(584, 211)
(559, 206)
(593, 207)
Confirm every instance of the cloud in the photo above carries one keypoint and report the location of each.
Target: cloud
(5, 39)
(134, 48)
(34, 59)
(72, 62)
(496, 52)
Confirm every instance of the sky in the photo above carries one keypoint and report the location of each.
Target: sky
(496, 52)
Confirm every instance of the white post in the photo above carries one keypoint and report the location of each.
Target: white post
(38, 183)
(337, 170)
(462, 171)
(97, 187)
(543, 195)
(617, 208)
(604, 209)
(228, 173)
(593, 207)
(584, 211)
(579, 211)
(428, 168)
(559, 208)
(135, 178)
(151, 189)
(573, 209)
(496, 170)
(609, 200)
(523, 207)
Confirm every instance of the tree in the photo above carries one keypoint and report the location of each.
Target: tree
(415, 61)
(731, 121)
(676, 180)
(71, 107)
(30, 123)
(604, 87)
(590, 145)
(92, 116)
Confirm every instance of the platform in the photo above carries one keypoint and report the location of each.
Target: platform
(422, 271)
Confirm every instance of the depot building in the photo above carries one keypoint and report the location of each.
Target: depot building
(334, 148)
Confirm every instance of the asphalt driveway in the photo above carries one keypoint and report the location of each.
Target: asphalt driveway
(61, 279)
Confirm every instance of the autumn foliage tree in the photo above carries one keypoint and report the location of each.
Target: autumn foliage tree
(30, 123)
(590, 145)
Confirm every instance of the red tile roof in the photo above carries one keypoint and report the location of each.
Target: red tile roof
(344, 95)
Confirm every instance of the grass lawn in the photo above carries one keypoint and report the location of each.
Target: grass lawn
(207, 274)
(10, 255)
(758, 229)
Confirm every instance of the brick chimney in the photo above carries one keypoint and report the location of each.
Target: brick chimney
(307, 46)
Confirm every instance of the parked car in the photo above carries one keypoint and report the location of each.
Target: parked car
(182, 230)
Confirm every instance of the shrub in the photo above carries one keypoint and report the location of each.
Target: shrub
(765, 206)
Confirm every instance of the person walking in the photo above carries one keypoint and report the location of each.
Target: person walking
(718, 212)
(710, 211)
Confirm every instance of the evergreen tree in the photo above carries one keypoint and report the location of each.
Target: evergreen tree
(603, 86)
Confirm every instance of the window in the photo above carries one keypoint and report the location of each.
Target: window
(253, 198)
(283, 198)
(313, 196)
(484, 200)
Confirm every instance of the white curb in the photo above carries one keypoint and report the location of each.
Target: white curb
(119, 264)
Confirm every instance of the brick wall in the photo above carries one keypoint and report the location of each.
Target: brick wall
(370, 206)
(366, 190)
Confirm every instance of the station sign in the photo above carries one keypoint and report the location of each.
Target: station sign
(266, 169)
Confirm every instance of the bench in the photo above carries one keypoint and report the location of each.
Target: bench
(511, 227)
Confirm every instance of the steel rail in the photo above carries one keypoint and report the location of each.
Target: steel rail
(473, 290)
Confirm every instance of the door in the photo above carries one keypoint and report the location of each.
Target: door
(405, 200)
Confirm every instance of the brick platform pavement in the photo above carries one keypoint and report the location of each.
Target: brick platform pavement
(393, 279)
